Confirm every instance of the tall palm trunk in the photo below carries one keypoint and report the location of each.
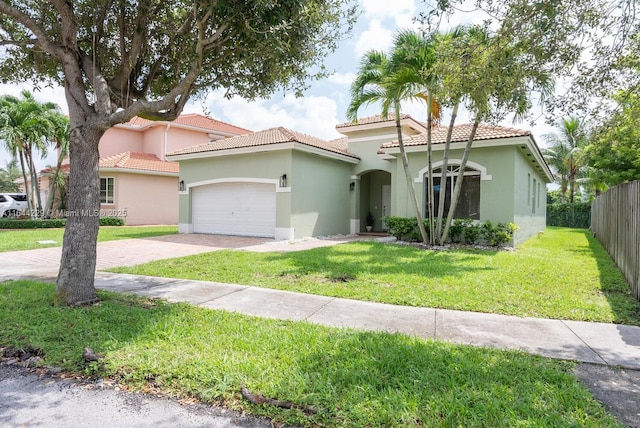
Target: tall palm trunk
(53, 184)
(35, 183)
(429, 193)
(407, 173)
(443, 174)
(26, 185)
(572, 184)
(459, 178)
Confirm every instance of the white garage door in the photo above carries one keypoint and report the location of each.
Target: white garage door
(247, 209)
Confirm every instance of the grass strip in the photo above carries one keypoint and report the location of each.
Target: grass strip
(351, 378)
(27, 239)
(563, 274)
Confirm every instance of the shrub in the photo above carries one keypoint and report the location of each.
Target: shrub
(463, 230)
(401, 227)
(499, 234)
(471, 233)
(111, 221)
(51, 223)
(32, 224)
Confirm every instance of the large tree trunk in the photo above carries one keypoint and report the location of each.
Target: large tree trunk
(75, 285)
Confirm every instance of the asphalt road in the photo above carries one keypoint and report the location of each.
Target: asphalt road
(29, 401)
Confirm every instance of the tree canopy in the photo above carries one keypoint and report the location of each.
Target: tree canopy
(120, 59)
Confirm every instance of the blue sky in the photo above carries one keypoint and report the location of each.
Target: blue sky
(324, 104)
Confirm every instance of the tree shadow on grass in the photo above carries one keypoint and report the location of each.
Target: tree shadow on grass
(625, 307)
(352, 261)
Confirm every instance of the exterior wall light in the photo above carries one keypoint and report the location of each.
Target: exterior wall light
(283, 180)
(352, 186)
(181, 185)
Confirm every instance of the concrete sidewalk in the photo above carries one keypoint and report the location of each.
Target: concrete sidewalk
(596, 343)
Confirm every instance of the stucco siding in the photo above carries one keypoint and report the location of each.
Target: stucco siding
(118, 140)
(320, 195)
(182, 138)
(258, 166)
(146, 199)
(496, 185)
(531, 199)
(153, 141)
(366, 144)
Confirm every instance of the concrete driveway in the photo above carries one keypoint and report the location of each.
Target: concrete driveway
(45, 262)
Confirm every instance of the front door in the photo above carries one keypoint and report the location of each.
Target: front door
(386, 203)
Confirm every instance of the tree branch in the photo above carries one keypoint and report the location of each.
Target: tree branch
(41, 36)
(23, 43)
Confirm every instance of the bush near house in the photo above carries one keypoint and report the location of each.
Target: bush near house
(462, 231)
(52, 223)
(576, 215)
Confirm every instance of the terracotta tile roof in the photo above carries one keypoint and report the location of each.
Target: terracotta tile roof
(193, 120)
(460, 134)
(265, 138)
(64, 168)
(378, 118)
(139, 161)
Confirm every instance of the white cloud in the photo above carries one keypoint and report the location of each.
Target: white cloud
(375, 37)
(344, 79)
(401, 11)
(313, 115)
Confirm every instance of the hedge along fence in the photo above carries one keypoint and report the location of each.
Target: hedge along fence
(577, 214)
(615, 223)
(52, 223)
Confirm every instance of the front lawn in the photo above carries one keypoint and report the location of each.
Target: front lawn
(562, 274)
(27, 239)
(349, 378)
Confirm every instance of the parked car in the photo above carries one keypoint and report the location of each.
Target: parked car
(13, 204)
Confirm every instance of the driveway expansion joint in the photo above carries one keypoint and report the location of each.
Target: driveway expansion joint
(604, 361)
(333, 299)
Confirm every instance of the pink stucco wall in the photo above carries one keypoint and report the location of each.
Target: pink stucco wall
(154, 139)
(146, 199)
(118, 140)
(183, 138)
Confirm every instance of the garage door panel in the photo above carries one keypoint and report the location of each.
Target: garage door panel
(235, 209)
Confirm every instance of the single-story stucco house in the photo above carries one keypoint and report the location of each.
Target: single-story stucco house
(137, 182)
(287, 185)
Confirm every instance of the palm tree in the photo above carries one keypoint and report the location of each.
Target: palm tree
(415, 56)
(382, 79)
(8, 175)
(564, 155)
(26, 127)
(61, 134)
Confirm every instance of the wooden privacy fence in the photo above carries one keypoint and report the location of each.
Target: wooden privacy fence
(615, 222)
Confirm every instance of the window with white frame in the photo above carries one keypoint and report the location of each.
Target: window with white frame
(107, 186)
(469, 200)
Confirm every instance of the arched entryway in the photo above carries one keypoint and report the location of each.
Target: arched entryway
(375, 200)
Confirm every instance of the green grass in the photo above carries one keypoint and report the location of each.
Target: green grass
(27, 239)
(353, 379)
(563, 274)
